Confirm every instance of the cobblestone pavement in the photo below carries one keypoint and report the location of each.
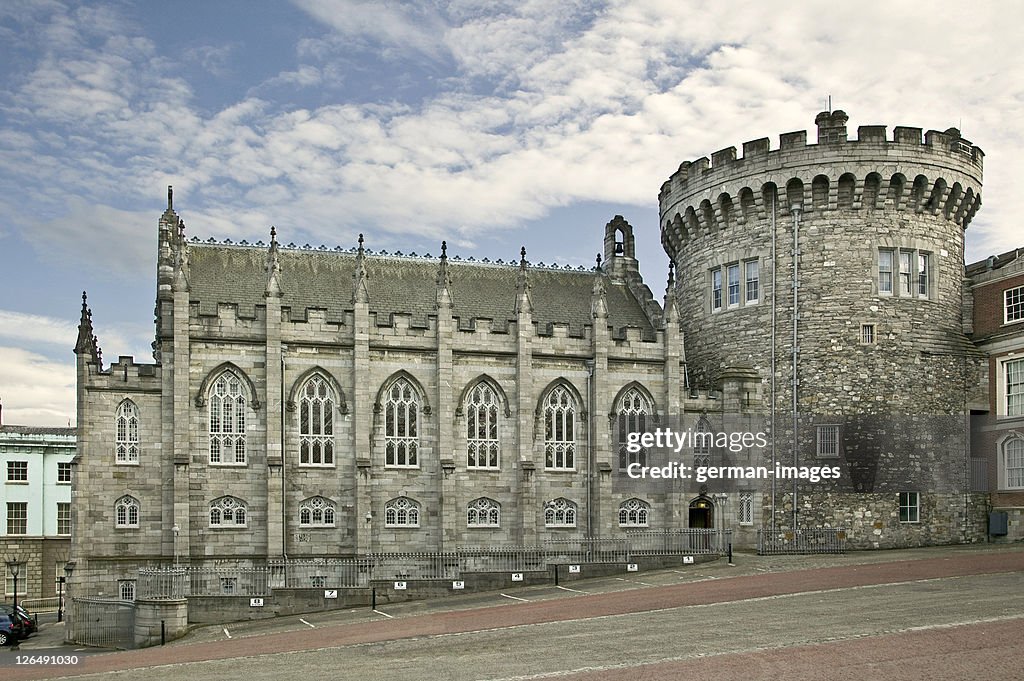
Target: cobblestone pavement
(954, 612)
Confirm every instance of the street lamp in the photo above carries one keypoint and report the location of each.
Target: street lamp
(13, 567)
(175, 530)
(61, 582)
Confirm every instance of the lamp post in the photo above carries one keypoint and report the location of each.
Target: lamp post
(13, 567)
(68, 567)
(176, 530)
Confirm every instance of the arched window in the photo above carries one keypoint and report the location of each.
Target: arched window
(560, 513)
(126, 512)
(316, 423)
(702, 441)
(402, 512)
(634, 409)
(401, 425)
(227, 420)
(127, 439)
(634, 513)
(1013, 463)
(483, 512)
(228, 512)
(560, 429)
(482, 446)
(316, 512)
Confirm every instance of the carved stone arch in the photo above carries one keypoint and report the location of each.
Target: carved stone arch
(646, 393)
(416, 385)
(897, 186)
(872, 190)
(581, 404)
(707, 217)
(937, 196)
(494, 385)
(126, 400)
(726, 210)
(819, 192)
(965, 205)
(918, 192)
(769, 198)
(747, 204)
(326, 375)
(690, 215)
(794, 193)
(846, 190)
(951, 203)
(227, 367)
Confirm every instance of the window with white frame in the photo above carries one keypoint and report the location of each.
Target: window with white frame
(63, 517)
(1012, 379)
(126, 587)
(827, 441)
(483, 512)
(910, 507)
(227, 421)
(746, 511)
(716, 290)
(401, 425)
(732, 273)
(228, 512)
(20, 568)
(1013, 463)
(560, 513)
(634, 409)
(482, 444)
(912, 270)
(126, 421)
(752, 270)
(885, 262)
(402, 512)
(560, 429)
(317, 512)
(17, 517)
(1013, 305)
(17, 471)
(703, 438)
(634, 513)
(126, 512)
(64, 472)
(316, 423)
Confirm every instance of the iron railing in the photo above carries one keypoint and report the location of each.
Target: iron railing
(102, 622)
(801, 541)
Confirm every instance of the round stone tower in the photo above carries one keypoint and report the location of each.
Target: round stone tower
(836, 271)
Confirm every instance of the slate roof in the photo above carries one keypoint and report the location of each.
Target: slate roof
(221, 273)
(38, 430)
(994, 262)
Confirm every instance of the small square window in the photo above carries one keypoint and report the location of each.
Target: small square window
(64, 472)
(910, 507)
(17, 471)
(867, 334)
(828, 441)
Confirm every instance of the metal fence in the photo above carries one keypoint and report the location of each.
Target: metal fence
(50, 604)
(103, 623)
(801, 541)
(204, 580)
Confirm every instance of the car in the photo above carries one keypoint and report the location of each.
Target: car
(11, 630)
(25, 618)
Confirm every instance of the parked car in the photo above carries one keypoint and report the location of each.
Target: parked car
(11, 630)
(25, 618)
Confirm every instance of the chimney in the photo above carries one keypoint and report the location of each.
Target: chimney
(831, 126)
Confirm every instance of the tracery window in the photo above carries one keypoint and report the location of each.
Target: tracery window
(316, 423)
(634, 410)
(316, 512)
(228, 512)
(126, 512)
(482, 445)
(227, 421)
(703, 439)
(401, 420)
(402, 512)
(483, 512)
(634, 513)
(127, 435)
(560, 430)
(560, 513)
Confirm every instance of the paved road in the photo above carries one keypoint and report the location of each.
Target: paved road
(956, 616)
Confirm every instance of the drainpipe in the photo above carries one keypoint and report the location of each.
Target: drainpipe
(590, 446)
(775, 456)
(284, 487)
(795, 209)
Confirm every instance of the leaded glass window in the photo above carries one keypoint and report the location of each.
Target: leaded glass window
(402, 512)
(317, 512)
(127, 436)
(634, 410)
(401, 425)
(228, 512)
(483, 512)
(482, 443)
(560, 429)
(126, 512)
(634, 513)
(316, 423)
(227, 421)
(560, 513)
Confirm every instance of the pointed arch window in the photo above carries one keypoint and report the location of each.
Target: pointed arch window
(634, 513)
(560, 430)
(483, 512)
(317, 512)
(316, 423)
(227, 421)
(482, 443)
(401, 425)
(402, 512)
(228, 512)
(127, 436)
(634, 411)
(702, 441)
(560, 513)
(126, 512)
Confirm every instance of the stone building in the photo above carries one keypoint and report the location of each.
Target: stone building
(308, 402)
(835, 271)
(996, 309)
(36, 498)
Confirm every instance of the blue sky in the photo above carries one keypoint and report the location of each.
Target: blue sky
(490, 124)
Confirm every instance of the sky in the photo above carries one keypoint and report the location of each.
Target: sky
(490, 124)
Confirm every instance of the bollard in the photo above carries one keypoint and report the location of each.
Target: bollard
(373, 599)
(556, 573)
(730, 553)
(163, 632)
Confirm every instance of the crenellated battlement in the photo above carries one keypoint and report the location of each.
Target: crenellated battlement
(940, 174)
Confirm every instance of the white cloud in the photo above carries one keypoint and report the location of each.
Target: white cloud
(56, 337)
(36, 391)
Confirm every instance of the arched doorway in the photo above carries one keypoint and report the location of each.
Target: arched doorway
(702, 513)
